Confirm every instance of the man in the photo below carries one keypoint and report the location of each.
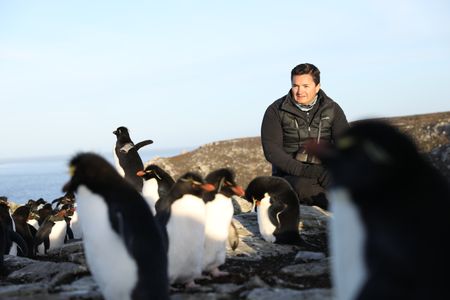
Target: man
(305, 114)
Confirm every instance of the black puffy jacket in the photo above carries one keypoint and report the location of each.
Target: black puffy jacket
(285, 128)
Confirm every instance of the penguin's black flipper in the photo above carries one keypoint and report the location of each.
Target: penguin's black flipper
(44, 232)
(276, 208)
(142, 144)
(22, 249)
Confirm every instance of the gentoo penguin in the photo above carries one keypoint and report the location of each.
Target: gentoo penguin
(182, 213)
(20, 217)
(278, 209)
(157, 184)
(219, 213)
(126, 157)
(123, 244)
(51, 233)
(390, 213)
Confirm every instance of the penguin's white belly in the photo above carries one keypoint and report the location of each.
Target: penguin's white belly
(34, 223)
(13, 249)
(112, 267)
(76, 226)
(150, 193)
(186, 231)
(117, 164)
(266, 228)
(219, 213)
(56, 237)
(347, 246)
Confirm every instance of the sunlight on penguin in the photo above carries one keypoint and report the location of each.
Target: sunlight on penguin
(123, 245)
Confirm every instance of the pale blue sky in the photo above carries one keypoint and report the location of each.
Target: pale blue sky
(185, 73)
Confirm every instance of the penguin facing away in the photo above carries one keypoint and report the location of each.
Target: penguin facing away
(278, 209)
(20, 217)
(126, 157)
(123, 244)
(182, 213)
(157, 184)
(385, 242)
(219, 214)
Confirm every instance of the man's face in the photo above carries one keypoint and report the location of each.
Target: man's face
(304, 89)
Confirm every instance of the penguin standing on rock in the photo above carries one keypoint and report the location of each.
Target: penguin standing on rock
(390, 214)
(182, 213)
(278, 209)
(123, 243)
(126, 157)
(219, 214)
(20, 217)
(157, 184)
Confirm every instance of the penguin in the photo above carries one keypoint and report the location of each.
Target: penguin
(278, 209)
(157, 184)
(20, 217)
(51, 234)
(13, 242)
(219, 214)
(123, 244)
(126, 157)
(182, 213)
(390, 213)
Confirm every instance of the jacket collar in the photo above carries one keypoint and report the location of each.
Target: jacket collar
(289, 105)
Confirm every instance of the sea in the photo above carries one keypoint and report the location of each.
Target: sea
(43, 177)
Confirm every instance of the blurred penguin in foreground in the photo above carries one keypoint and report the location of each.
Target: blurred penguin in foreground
(391, 212)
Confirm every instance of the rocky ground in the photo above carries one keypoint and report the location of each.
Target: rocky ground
(258, 270)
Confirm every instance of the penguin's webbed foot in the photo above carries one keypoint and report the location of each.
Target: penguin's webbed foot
(217, 273)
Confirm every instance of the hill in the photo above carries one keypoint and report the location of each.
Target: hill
(431, 132)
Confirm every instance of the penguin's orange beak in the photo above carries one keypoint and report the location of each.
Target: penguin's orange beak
(239, 191)
(257, 203)
(208, 187)
(140, 173)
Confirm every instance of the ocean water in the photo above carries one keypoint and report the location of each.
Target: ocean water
(21, 180)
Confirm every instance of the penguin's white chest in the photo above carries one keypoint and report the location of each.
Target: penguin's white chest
(112, 267)
(347, 239)
(219, 213)
(117, 164)
(150, 193)
(186, 231)
(266, 228)
(76, 226)
(56, 237)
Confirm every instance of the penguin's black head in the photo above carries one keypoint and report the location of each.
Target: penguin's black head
(121, 131)
(370, 154)
(91, 170)
(151, 171)
(192, 183)
(22, 213)
(224, 182)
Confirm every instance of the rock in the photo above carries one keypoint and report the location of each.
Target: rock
(306, 256)
(310, 269)
(289, 294)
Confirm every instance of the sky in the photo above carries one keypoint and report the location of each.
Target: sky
(187, 73)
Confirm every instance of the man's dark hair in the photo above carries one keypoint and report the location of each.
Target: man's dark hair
(306, 68)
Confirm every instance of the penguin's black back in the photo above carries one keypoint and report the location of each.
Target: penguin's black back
(284, 211)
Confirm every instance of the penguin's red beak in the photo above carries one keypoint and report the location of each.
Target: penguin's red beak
(239, 191)
(140, 173)
(208, 187)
